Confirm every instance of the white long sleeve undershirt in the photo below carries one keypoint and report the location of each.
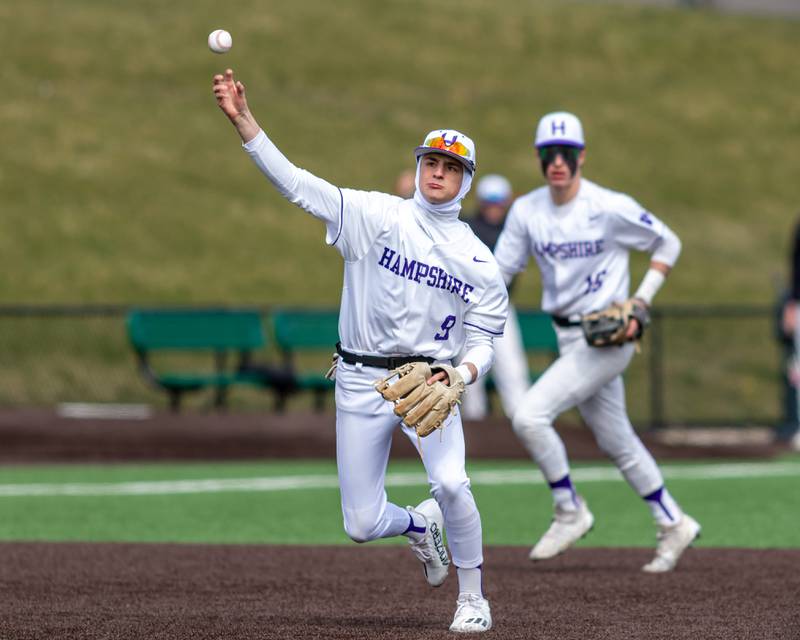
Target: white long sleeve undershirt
(669, 249)
(317, 196)
(478, 350)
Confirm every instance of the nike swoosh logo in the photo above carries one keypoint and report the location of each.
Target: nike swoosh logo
(475, 259)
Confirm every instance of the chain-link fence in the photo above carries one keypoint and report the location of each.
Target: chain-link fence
(721, 365)
(698, 366)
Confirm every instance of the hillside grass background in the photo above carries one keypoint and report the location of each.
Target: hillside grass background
(122, 183)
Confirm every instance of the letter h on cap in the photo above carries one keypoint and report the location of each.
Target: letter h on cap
(555, 126)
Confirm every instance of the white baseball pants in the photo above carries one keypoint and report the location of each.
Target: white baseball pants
(591, 379)
(365, 423)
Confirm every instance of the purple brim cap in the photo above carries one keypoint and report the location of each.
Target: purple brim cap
(566, 143)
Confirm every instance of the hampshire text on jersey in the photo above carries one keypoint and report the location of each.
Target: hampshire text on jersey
(567, 250)
(416, 271)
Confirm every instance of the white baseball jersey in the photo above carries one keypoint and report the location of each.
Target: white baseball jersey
(404, 293)
(421, 295)
(581, 247)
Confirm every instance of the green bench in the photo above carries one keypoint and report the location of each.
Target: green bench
(218, 332)
(538, 335)
(306, 339)
(300, 332)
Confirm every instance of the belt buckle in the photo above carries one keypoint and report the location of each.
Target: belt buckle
(391, 362)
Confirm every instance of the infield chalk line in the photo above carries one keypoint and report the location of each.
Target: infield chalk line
(288, 483)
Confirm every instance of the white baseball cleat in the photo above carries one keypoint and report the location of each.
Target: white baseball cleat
(472, 614)
(431, 550)
(566, 529)
(672, 542)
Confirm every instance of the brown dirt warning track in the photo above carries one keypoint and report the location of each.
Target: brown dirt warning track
(176, 592)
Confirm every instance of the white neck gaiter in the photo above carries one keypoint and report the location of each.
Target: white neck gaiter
(440, 220)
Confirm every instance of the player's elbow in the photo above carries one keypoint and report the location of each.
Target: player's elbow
(669, 250)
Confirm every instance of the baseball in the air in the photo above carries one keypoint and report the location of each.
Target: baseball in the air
(220, 41)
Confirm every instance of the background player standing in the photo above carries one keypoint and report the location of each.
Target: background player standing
(581, 235)
(405, 184)
(789, 335)
(418, 286)
(510, 369)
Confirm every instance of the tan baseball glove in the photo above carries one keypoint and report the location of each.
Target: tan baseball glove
(609, 326)
(422, 406)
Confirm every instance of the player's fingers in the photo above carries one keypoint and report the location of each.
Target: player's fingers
(437, 376)
(240, 88)
(633, 329)
(218, 78)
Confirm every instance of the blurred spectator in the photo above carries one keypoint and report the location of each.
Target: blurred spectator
(789, 336)
(510, 369)
(405, 185)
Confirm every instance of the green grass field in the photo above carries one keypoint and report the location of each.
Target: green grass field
(738, 504)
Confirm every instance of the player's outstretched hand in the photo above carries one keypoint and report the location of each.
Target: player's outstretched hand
(230, 95)
(231, 99)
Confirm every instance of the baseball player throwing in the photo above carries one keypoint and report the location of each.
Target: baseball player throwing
(580, 235)
(418, 286)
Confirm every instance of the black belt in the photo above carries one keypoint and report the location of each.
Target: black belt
(380, 362)
(561, 321)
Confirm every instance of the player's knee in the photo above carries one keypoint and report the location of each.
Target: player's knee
(527, 422)
(359, 529)
(449, 490)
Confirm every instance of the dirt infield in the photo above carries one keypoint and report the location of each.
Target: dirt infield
(176, 592)
(40, 435)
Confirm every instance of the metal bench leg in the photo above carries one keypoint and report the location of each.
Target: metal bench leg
(175, 400)
(280, 401)
(319, 401)
(221, 398)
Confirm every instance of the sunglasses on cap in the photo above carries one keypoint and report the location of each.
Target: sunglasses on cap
(454, 147)
(548, 153)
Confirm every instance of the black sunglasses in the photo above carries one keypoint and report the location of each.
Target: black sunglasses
(549, 152)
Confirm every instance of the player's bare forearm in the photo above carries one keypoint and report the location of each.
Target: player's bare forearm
(231, 99)
(247, 126)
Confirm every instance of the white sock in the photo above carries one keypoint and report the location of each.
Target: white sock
(565, 500)
(564, 496)
(665, 510)
(469, 580)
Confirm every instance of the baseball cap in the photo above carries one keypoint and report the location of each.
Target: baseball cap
(560, 127)
(493, 188)
(449, 142)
